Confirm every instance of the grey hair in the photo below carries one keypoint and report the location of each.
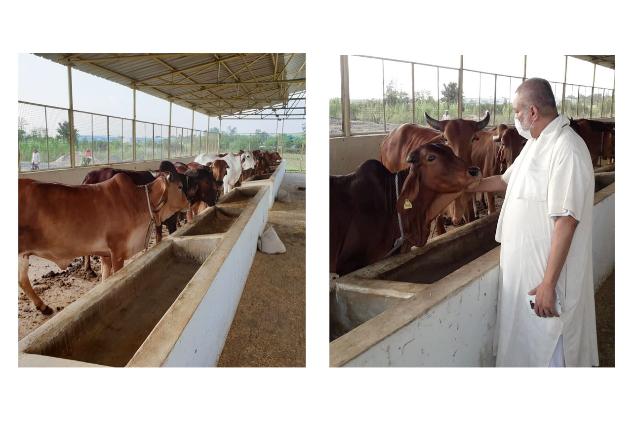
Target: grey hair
(537, 92)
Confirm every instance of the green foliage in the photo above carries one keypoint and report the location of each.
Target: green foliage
(449, 92)
(63, 131)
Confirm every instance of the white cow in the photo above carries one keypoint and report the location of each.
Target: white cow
(236, 162)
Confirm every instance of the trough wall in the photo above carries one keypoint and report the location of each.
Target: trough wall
(347, 153)
(452, 322)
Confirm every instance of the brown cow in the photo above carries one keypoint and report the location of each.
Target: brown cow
(594, 133)
(364, 206)
(484, 154)
(459, 134)
(110, 219)
(511, 144)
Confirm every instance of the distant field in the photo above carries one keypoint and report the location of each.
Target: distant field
(295, 162)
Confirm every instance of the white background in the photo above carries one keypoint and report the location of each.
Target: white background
(317, 395)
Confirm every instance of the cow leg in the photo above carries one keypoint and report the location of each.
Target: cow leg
(25, 284)
(87, 266)
(105, 263)
(440, 230)
(117, 261)
(491, 202)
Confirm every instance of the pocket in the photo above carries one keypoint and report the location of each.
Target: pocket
(535, 182)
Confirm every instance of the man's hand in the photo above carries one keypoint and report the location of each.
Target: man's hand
(545, 300)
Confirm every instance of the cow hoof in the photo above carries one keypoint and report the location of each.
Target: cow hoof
(46, 311)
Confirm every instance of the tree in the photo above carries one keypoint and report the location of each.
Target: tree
(22, 124)
(395, 96)
(450, 92)
(63, 131)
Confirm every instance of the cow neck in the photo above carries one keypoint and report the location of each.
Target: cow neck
(154, 210)
(398, 181)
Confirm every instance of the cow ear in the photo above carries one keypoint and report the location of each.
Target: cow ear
(409, 192)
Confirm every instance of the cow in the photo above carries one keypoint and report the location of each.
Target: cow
(367, 206)
(459, 134)
(234, 169)
(219, 168)
(110, 219)
(511, 144)
(594, 133)
(197, 186)
(484, 153)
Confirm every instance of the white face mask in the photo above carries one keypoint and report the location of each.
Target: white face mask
(526, 133)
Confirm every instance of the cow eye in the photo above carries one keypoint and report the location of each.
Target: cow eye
(431, 158)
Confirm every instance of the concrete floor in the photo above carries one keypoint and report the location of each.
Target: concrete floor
(269, 327)
(605, 322)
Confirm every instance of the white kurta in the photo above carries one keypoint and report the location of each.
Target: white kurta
(552, 174)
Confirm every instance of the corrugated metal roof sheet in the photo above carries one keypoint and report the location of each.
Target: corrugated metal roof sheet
(214, 84)
(608, 61)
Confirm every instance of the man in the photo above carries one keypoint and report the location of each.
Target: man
(546, 310)
(35, 159)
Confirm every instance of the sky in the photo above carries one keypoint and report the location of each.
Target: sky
(45, 82)
(365, 74)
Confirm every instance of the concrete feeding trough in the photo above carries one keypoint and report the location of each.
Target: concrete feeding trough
(437, 305)
(172, 306)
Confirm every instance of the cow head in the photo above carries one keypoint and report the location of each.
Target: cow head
(201, 186)
(512, 144)
(173, 195)
(459, 135)
(219, 170)
(436, 177)
(247, 160)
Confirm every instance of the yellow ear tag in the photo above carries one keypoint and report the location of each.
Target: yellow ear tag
(407, 204)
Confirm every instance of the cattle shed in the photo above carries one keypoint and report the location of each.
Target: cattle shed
(195, 298)
(437, 305)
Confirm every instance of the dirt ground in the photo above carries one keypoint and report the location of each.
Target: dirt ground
(605, 322)
(269, 327)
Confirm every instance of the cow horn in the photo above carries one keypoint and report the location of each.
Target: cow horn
(480, 125)
(436, 124)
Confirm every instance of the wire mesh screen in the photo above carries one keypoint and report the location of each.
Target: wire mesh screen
(161, 141)
(398, 95)
(32, 137)
(426, 92)
(144, 141)
(366, 93)
(127, 140)
(58, 137)
(187, 148)
(101, 139)
(85, 143)
(116, 151)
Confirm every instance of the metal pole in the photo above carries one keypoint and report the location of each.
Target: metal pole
(593, 84)
(479, 95)
(46, 136)
(438, 92)
(564, 84)
(208, 132)
(219, 131)
(413, 94)
(108, 142)
(495, 94)
(122, 140)
(169, 139)
(72, 137)
(133, 133)
(460, 88)
(153, 140)
(345, 96)
(193, 115)
(93, 144)
(578, 105)
(524, 76)
(384, 107)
